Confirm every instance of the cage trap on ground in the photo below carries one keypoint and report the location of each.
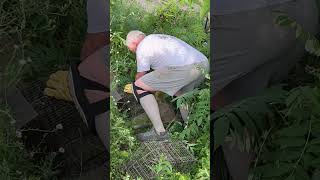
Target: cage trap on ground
(147, 156)
(82, 149)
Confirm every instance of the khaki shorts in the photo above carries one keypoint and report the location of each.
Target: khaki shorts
(172, 79)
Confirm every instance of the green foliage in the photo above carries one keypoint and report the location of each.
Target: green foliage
(198, 120)
(196, 132)
(205, 8)
(292, 149)
(284, 124)
(122, 141)
(15, 161)
(168, 18)
(202, 150)
(164, 170)
(36, 38)
(249, 116)
(312, 44)
(286, 128)
(41, 34)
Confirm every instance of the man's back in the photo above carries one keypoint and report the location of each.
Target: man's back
(159, 50)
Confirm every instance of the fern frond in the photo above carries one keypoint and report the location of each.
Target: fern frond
(247, 115)
(312, 44)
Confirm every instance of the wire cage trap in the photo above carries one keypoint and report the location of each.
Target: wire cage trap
(82, 150)
(176, 152)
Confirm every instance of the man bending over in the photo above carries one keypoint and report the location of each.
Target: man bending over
(177, 68)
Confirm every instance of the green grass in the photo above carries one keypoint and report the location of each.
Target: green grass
(15, 161)
(37, 37)
(47, 35)
(170, 19)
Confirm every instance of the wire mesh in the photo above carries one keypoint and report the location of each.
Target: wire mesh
(83, 150)
(175, 152)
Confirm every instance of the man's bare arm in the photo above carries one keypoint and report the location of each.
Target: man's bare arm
(140, 74)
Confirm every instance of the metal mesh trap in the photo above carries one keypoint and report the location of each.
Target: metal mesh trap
(82, 150)
(149, 153)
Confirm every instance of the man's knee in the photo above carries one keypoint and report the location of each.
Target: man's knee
(138, 88)
(139, 92)
(178, 93)
(139, 83)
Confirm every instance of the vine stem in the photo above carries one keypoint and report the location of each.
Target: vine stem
(7, 114)
(303, 150)
(261, 147)
(12, 119)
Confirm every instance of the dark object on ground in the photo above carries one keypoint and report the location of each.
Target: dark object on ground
(21, 110)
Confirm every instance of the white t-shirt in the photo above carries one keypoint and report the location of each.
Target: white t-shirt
(158, 50)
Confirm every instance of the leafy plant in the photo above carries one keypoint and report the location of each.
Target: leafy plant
(292, 148)
(16, 161)
(36, 38)
(249, 116)
(122, 141)
(164, 170)
(198, 119)
(282, 127)
(168, 18)
(312, 44)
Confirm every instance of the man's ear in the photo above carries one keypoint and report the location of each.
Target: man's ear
(135, 43)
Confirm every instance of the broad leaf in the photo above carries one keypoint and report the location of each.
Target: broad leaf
(314, 149)
(289, 142)
(285, 155)
(301, 173)
(293, 131)
(270, 170)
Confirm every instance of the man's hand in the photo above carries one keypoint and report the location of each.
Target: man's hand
(140, 74)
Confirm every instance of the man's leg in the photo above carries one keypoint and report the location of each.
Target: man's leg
(150, 105)
(167, 80)
(94, 65)
(199, 78)
(95, 68)
(94, 52)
